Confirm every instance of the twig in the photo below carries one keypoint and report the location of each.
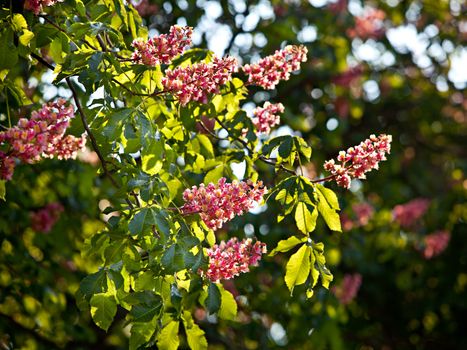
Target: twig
(210, 132)
(41, 60)
(92, 138)
(263, 158)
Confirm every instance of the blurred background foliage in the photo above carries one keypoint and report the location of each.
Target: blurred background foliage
(406, 76)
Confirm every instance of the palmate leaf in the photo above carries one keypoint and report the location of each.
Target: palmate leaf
(148, 217)
(194, 334)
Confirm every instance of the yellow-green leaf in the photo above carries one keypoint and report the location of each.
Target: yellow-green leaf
(228, 309)
(330, 216)
(103, 309)
(304, 218)
(19, 22)
(26, 37)
(286, 244)
(298, 267)
(168, 337)
(194, 334)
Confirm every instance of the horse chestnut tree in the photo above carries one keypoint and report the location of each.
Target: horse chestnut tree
(166, 123)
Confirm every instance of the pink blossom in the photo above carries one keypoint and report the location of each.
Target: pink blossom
(370, 25)
(195, 82)
(266, 117)
(36, 6)
(359, 160)
(436, 243)
(347, 77)
(42, 136)
(162, 48)
(44, 219)
(363, 212)
(228, 260)
(144, 8)
(346, 223)
(409, 213)
(219, 203)
(271, 69)
(348, 289)
(7, 166)
(338, 6)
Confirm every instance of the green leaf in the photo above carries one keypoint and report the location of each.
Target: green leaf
(214, 175)
(304, 218)
(103, 310)
(330, 196)
(195, 335)
(93, 284)
(8, 52)
(116, 277)
(330, 216)
(2, 189)
(168, 337)
(80, 8)
(113, 252)
(146, 312)
(206, 145)
(141, 333)
(147, 217)
(152, 158)
(173, 259)
(286, 244)
(213, 301)
(324, 273)
(298, 267)
(228, 308)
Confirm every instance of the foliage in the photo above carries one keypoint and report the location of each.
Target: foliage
(129, 257)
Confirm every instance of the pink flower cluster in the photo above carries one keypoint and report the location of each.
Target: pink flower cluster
(36, 6)
(271, 69)
(266, 117)
(363, 213)
(369, 25)
(194, 83)
(44, 219)
(409, 213)
(228, 260)
(219, 203)
(436, 243)
(162, 48)
(359, 160)
(41, 136)
(348, 289)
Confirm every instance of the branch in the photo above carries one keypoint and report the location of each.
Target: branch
(88, 130)
(323, 179)
(41, 60)
(263, 158)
